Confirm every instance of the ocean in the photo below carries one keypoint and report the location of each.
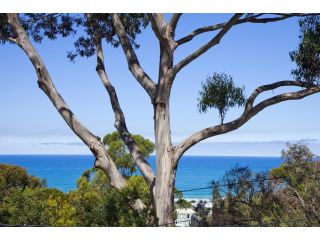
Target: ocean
(62, 171)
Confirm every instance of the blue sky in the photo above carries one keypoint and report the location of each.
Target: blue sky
(254, 54)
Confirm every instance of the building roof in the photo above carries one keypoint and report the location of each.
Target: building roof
(185, 210)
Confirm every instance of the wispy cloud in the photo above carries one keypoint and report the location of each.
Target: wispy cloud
(248, 148)
(63, 143)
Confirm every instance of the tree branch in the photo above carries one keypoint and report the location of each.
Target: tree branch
(248, 113)
(173, 23)
(103, 160)
(120, 123)
(207, 46)
(159, 18)
(252, 19)
(156, 27)
(259, 90)
(133, 62)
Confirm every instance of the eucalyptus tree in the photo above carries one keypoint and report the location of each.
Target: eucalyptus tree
(121, 30)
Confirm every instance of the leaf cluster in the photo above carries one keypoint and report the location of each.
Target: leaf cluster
(220, 92)
(53, 25)
(307, 56)
(121, 155)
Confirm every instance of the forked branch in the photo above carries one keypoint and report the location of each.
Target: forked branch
(255, 18)
(120, 123)
(157, 26)
(248, 113)
(133, 62)
(173, 23)
(103, 160)
(214, 41)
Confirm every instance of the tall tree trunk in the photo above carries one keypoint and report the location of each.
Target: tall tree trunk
(165, 176)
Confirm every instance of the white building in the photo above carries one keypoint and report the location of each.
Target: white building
(184, 217)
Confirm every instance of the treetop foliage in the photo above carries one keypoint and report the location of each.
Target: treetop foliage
(220, 92)
(53, 25)
(307, 56)
(121, 155)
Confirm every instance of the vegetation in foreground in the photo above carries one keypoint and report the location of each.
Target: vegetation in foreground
(91, 31)
(286, 196)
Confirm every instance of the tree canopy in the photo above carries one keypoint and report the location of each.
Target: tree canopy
(307, 56)
(121, 155)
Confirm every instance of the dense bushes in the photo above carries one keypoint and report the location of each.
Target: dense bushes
(93, 203)
(286, 196)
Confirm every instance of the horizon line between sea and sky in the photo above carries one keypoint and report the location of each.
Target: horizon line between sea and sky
(206, 148)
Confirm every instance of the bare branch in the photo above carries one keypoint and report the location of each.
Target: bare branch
(173, 23)
(159, 18)
(259, 90)
(120, 123)
(133, 62)
(248, 113)
(103, 160)
(156, 29)
(207, 46)
(252, 19)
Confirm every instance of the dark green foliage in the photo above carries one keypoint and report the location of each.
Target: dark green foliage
(11, 178)
(220, 92)
(120, 154)
(180, 201)
(4, 28)
(248, 200)
(98, 204)
(287, 196)
(307, 56)
(300, 177)
(53, 25)
(40, 25)
(93, 203)
(101, 23)
(40, 206)
(202, 213)
(16, 177)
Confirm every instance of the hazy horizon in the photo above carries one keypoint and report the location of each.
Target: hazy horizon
(254, 54)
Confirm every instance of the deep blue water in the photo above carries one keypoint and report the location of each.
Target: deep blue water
(62, 171)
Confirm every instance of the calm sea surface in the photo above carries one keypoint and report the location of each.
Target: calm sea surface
(62, 171)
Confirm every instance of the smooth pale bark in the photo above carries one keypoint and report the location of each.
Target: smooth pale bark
(103, 160)
(120, 122)
(167, 156)
(255, 18)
